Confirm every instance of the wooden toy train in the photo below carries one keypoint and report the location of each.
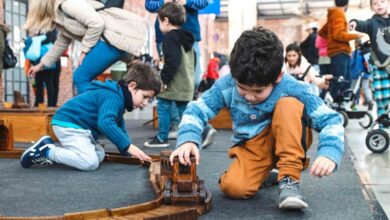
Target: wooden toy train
(181, 185)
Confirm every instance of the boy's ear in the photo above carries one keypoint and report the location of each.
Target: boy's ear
(132, 86)
(165, 20)
(279, 77)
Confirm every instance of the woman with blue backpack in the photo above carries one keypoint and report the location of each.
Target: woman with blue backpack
(107, 34)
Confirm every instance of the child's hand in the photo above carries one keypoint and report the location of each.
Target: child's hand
(322, 166)
(184, 152)
(138, 153)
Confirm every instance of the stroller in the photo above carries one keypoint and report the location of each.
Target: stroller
(345, 104)
(377, 139)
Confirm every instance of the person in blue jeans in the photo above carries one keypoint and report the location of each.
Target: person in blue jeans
(103, 38)
(99, 111)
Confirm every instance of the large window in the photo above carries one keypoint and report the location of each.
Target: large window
(15, 79)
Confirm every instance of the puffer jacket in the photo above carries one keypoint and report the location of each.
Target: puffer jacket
(79, 20)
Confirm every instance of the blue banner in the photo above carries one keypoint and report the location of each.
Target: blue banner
(214, 7)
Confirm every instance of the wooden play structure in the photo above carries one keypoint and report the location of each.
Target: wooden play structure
(6, 135)
(29, 124)
(179, 192)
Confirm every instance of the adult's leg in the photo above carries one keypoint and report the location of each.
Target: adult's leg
(48, 80)
(56, 81)
(39, 88)
(98, 59)
(339, 67)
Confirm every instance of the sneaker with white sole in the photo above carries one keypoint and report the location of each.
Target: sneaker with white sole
(289, 195)
(37, 154)
(208, 136)
(156, 142)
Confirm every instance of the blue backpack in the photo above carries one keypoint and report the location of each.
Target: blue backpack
(34, 50)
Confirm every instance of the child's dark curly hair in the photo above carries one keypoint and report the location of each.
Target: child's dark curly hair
(257, 57)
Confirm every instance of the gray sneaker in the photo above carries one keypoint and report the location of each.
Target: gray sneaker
(289, 195)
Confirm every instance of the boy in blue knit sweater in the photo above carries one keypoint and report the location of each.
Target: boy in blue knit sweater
(100, 110)
(269, 110)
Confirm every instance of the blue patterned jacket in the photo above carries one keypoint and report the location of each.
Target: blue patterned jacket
(250, 120)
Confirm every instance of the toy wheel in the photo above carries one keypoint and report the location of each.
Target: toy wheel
(344, 118)
(377, 141)
(167, 197)
(202, 196)
(366, 121)
(167, 193)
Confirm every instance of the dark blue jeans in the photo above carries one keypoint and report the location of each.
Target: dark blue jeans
(339, 67)
(164, 108)
(98, 59)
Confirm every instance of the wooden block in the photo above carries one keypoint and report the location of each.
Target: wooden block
(6, 135)
(222, 121)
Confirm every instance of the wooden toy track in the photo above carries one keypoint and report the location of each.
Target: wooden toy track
(188, 208)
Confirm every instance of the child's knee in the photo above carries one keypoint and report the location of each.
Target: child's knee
(235, 190)
(89, 165)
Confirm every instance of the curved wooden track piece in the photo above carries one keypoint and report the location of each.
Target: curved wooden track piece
(155, 209)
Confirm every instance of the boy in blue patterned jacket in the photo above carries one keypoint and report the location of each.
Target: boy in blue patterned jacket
(99, 110)
(267, 108)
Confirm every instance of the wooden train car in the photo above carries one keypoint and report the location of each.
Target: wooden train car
(182, 185)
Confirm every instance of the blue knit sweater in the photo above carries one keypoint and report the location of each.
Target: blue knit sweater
(192, 22)
(250, 120)
(99, 110)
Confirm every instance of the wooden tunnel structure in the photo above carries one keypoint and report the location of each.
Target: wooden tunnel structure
(6, 135)
(179, 194)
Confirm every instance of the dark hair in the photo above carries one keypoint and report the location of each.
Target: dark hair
(341, 3)
(257, 57)
(145, 77)
(175, 13)
(294, 47)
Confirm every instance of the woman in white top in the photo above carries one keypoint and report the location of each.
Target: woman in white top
(296, 65)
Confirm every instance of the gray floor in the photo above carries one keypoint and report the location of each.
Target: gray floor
(58, 189)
